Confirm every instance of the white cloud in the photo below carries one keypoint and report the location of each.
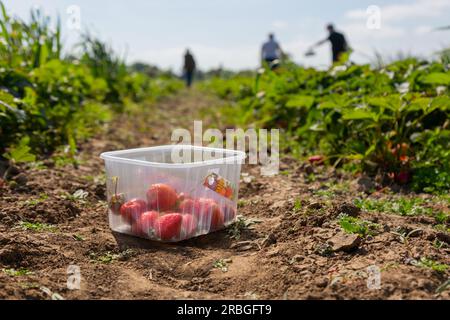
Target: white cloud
(396, 12)
(359, 31)
(422, 30)
(280, 24)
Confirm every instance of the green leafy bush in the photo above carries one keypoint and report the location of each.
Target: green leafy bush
(391, 121)
(55, 101)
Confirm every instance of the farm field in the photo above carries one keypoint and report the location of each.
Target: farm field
(280, 250)
(358, 210)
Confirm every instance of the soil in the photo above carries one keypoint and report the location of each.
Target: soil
(294, 250)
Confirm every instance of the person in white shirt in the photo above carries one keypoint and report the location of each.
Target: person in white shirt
(271, 50)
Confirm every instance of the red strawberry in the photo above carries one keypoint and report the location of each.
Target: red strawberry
(403, 177)
(161, 197)
(132, 209)
(229, 213)
(188, 226)
(167, 227)
(316, 159)
(145, 224)
(210, 211)
(189, 206)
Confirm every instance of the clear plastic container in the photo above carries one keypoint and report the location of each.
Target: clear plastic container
(172, 193)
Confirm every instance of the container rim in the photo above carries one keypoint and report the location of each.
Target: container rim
(236, 156)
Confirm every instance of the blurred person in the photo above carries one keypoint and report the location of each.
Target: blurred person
(189, 68)
(271, 50)
(338, 42)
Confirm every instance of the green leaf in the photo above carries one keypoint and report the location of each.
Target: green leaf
(358, 114)
(327, 105)
(437, 78)
(299, 101)
(21, 152)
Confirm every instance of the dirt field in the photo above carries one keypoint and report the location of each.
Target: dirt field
(294, 250)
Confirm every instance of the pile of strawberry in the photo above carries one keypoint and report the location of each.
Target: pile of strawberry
(170, 216)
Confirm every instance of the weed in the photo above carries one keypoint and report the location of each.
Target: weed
(297, 205)
(109, 257)
(38, 227)
(311, 178)
(222, 264)
(17, 272)
(323, 249)
(442, 228)
(241, 203)
(401, 206)
(355, 225)
(241, 225)
(329, 194)
(431, 264)
(78, 196)
(33, 202)
(439, 244)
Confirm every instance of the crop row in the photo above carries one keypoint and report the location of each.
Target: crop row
(391, 121)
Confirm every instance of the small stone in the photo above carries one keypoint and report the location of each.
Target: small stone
(345, 242)
(322, 282)
(315, 206)
(366, 184)
(269, 240)
(442, 236)
(274, 252)
(347, 208)
(309, 169)
(21, 179)
(296, 259)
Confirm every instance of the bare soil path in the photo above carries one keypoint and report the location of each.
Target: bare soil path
(294, 250)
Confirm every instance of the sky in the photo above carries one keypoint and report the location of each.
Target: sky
(229, 33)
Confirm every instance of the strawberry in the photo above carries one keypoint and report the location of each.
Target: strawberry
(188, 226)
(116, 202)
(210, 212)
(132, 209)
(316, 159)
(117, 199)
(145, 224)
(167, 227)
(403, 177)
(229, 213)
(189, 206)
(161, 197)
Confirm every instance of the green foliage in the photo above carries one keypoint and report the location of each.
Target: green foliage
(392, 121)
(21, 152)
(402, 206)
(241, 224)
(17, 272)
(358, 226)
(222, 264)
(431, 264)
(53, 101)
(38, 227)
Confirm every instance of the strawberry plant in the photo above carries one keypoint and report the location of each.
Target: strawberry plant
(389, 121)
(54, 100)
